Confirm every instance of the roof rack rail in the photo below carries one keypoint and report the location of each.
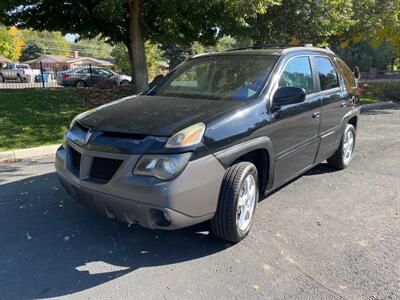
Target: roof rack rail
(273, 46)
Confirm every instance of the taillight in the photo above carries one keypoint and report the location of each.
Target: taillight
(358, 89)
(65, 76)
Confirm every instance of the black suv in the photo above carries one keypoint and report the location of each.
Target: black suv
(211, 137)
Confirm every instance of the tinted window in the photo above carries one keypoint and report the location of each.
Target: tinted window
(327, 74)
(224, 77)
(83, 71)
(297, 73)
(347, 74)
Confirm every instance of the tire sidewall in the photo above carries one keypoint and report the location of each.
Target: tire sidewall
(80, 84)
(250, 169)
(348, 128)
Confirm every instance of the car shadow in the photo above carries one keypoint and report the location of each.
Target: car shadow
(52, 246)
(320, 169)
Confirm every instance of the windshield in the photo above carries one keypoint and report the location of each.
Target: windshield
(225, 77)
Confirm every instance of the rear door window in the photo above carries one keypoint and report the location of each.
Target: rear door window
(328, 76)
(297, 73)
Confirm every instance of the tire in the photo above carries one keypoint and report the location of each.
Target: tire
(124, 82)
(343, 155)
(226, 223)
(80, 84)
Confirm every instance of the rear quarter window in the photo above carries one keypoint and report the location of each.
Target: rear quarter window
(349, 79)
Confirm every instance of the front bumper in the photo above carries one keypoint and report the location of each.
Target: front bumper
(188, 199)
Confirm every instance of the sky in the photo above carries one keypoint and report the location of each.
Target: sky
(71, 37)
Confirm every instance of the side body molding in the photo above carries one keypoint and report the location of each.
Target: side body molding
(229, 155)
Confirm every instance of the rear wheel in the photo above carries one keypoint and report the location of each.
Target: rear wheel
(343, 155)
(80, 84)
(237, 203)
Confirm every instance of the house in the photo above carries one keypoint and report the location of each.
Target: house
(60, 62)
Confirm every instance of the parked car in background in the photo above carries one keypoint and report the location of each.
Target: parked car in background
(219, 131)
(89, 76)
(19, 72)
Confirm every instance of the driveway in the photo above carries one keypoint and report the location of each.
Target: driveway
(327, 235)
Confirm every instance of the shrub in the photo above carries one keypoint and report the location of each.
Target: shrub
(386, 90)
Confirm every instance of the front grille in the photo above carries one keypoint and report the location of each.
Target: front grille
(103, 169)
(75, 160)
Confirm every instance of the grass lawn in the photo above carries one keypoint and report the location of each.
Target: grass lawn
(369, 99)
(36, 117)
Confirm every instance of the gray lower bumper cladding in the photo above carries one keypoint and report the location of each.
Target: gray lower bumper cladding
(188, 199)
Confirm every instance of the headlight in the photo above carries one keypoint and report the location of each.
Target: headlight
(162, 166)
(187, 137)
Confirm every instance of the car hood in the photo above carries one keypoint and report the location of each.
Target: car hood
(152, 115)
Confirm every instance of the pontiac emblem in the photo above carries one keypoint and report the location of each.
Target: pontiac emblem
(88, 136)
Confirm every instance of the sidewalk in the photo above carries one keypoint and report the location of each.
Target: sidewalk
(28, 153)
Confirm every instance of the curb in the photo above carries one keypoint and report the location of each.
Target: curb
(28, 153)
(382, 105)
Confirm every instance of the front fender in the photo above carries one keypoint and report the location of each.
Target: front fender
(229, 155)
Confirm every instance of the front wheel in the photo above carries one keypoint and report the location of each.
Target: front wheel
(237, 203)
(343, 155)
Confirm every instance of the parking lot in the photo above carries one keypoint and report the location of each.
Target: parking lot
(327, 235)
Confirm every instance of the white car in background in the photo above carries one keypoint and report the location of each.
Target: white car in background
(18, 72)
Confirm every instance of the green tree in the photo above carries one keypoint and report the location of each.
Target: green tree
(295, 21)
(7, 47)
(31, 51)
(132, 22)
(52, 42)
(153, 54)
(121, 56)
(364, 55)
(95, 47)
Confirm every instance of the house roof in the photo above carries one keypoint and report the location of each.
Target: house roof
(4, 59)
(60, 59)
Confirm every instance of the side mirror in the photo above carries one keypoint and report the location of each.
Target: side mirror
(288, 95)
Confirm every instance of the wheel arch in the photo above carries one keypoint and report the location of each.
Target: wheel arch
(353, 121)
(350, 118)
(257, 151)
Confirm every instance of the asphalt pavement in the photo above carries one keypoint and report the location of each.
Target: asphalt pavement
(326, 235)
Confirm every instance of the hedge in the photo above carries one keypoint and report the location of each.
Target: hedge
(386, 90)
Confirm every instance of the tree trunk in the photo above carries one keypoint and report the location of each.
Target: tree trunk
(137, 53)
